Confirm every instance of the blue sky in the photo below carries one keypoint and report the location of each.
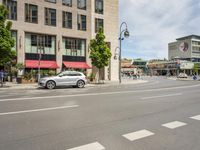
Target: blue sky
(154, 23)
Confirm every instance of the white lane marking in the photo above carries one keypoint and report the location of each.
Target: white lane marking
(196, 117)
(160, 96)
(37, 110)
(94, 94)
(174, 124)
(92, 146)
(138, 135)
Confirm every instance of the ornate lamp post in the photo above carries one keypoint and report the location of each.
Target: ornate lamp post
(123, 33)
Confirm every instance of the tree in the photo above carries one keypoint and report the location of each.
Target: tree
(6, 40)
(100, 53)
(196, 68)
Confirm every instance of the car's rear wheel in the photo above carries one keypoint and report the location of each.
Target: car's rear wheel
(50, 85)
(80, 84)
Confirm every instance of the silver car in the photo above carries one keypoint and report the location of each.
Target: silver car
(66, 78)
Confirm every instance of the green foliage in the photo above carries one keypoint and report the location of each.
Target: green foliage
(92, 77)
(20, 66)
(51, 73)
(6, 40)
(196, 67)
(28, 76)
(100, 53)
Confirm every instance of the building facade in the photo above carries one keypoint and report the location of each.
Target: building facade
(55, 34)
(185, 48)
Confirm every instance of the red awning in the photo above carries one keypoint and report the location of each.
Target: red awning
(78, 65)
(43, 64)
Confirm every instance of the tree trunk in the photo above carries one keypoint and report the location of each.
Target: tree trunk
(99, 75)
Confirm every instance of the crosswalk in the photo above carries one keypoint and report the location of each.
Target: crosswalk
(136, 135)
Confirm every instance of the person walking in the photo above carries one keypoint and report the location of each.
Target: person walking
(1, 77)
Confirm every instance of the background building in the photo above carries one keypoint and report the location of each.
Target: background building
(185, 48)
(185, 52)
(59, 31)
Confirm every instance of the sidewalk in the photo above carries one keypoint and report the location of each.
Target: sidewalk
(190, 78)
(11, 85)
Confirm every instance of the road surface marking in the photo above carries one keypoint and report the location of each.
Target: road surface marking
(138, 135)
(161, 96)
(92, 146)
(37, 110)
(196, 117)
(173, 125)
(95, 94)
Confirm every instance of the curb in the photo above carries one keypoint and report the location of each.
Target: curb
(35, 86)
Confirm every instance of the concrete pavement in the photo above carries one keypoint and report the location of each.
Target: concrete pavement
(159, 115)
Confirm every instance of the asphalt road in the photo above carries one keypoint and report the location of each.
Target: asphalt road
(151, 116)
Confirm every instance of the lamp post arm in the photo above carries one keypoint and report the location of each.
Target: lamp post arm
(123, 23)
(121, 33)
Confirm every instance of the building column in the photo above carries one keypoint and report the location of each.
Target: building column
(59, 52)
(21, 47)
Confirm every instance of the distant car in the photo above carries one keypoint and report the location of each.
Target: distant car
(66, 78)
(182, 75)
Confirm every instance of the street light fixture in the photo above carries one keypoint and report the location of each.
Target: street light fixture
(123, 33)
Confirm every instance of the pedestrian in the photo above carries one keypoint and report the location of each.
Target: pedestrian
(1, 77)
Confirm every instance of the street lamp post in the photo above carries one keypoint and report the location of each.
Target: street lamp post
(126, 35)
(40, 47)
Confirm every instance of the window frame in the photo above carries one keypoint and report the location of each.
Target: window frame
(65, 15)
(97, 26)
(30, 17)
(51, 1)
(38, 40)
(97, 10)
(80, 22)
(82, 8)
(63, 3)
(73, 46)
(12, 9)
(47, 13)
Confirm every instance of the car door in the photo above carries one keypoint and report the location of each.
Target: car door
(64, 79)
(74, 78)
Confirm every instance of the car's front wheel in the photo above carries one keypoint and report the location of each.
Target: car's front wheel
(80, 84)
(50, 85)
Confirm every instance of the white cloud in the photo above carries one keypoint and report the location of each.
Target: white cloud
(155, 23)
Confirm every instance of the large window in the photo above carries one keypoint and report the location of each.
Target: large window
(52, 1)
(98, 24)
(81, 4)
(14, 36)
(67, 20)
(31, 13)
(99, 6)
(12, 8)
(67, 2)
(35, 41)
(74, 47)
(50, 17)
(82, 22)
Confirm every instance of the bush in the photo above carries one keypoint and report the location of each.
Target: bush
(92, 77)
(28, 76)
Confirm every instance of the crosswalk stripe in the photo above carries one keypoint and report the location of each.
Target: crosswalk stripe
(91, 146)
(174, 124)
(196, 117)
(138, 135)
